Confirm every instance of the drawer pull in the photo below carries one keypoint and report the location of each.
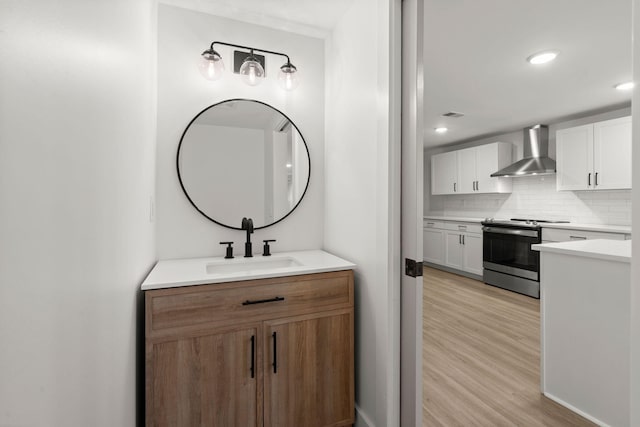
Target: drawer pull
(275, 353)
(253, 356)
(262, 301)
(577, 238)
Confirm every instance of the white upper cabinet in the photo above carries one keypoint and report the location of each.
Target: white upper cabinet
(596, 156)
(612, 154)
(444, 173)
(468, 171)
(467, 174)
(489, 159)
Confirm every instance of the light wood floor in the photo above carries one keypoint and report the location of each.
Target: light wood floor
(481, 358)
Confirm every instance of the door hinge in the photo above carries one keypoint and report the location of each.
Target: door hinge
(412, 268)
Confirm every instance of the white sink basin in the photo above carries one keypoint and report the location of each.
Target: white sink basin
(250, 265)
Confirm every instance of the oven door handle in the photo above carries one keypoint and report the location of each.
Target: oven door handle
(511, 231)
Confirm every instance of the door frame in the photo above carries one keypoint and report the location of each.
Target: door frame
(412, 171)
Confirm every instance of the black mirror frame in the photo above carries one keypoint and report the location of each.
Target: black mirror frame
(184, 190)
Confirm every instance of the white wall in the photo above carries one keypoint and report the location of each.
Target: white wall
(77, 137)
(535, 197)
(357, 182)
(183, 93)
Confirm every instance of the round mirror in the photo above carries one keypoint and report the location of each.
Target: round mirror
(243, 158)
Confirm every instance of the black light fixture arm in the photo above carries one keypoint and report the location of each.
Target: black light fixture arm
(252, 49)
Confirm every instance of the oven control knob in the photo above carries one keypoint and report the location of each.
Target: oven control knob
(534, 223)
(527, 222)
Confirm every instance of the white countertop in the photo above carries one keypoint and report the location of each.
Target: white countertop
(590, 227)
(612, 250)
(186, 272)
(452, 218)
(567, 226)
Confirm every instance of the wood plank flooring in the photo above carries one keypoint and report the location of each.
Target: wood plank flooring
(481, 357)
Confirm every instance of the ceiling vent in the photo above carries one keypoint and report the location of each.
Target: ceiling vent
(452, 114)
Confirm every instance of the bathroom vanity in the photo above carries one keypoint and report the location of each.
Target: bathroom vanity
(264, 341)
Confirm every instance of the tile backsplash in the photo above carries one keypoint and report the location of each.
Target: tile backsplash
(536, 197)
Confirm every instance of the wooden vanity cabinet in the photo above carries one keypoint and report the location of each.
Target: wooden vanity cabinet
(216, 355)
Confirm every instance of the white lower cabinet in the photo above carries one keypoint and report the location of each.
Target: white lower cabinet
(454, 250)
(455, 245)
(550, 235)
(433, 245)
(472, 253)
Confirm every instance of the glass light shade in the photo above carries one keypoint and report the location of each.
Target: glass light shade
(251, 71)
(211, 65)
(288, 76)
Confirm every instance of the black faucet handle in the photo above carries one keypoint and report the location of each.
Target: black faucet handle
(229, 249)
(266, 250)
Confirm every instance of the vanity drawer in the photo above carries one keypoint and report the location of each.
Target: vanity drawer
(194, 307)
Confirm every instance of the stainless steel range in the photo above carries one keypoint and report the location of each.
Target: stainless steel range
(507, 257)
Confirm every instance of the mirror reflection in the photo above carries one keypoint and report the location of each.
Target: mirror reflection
(243, 158)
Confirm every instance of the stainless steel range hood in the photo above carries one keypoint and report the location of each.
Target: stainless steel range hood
(536, 159)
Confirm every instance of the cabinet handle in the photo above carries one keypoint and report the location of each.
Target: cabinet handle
(275, 353)
(463, 239)
(262, 301)
(596, 183)
(253, 356)
(459, 239)
(431, 224)
(577, 238)
(477, 185)
(589, 180)
(454, 187)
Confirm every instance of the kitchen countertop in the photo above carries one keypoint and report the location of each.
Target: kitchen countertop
(591, 227)
(452, 218)
(193, 271)
(567, 226)
(612, 250)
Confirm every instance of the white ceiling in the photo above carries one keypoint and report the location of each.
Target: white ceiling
(475, 63)
(475, 55)
(315, 18)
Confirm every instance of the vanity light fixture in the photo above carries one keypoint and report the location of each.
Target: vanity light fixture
(625, 86)
(542, 57)
(252, 69)
(441, 130)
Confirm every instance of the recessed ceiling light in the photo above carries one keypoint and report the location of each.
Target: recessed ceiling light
(542, 57)
(441, 130)
(625, 86)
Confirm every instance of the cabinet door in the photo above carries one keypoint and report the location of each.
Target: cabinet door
(487, 162)
(466, 171)
(574, 162)
(204, 381)
(308, 371)
(612, 154)
(433, 245)
(453, 254)
(444, 173)
(472, 253)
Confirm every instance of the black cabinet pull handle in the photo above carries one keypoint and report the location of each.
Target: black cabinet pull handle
(262, 301)
(589, 179)
(275, 353)
(253, 356)
(596, 179)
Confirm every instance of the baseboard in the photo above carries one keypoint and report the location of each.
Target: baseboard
(452, 270)
(362, 420)
(576, 410)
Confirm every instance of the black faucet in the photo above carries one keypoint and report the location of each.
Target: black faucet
(247, 224)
